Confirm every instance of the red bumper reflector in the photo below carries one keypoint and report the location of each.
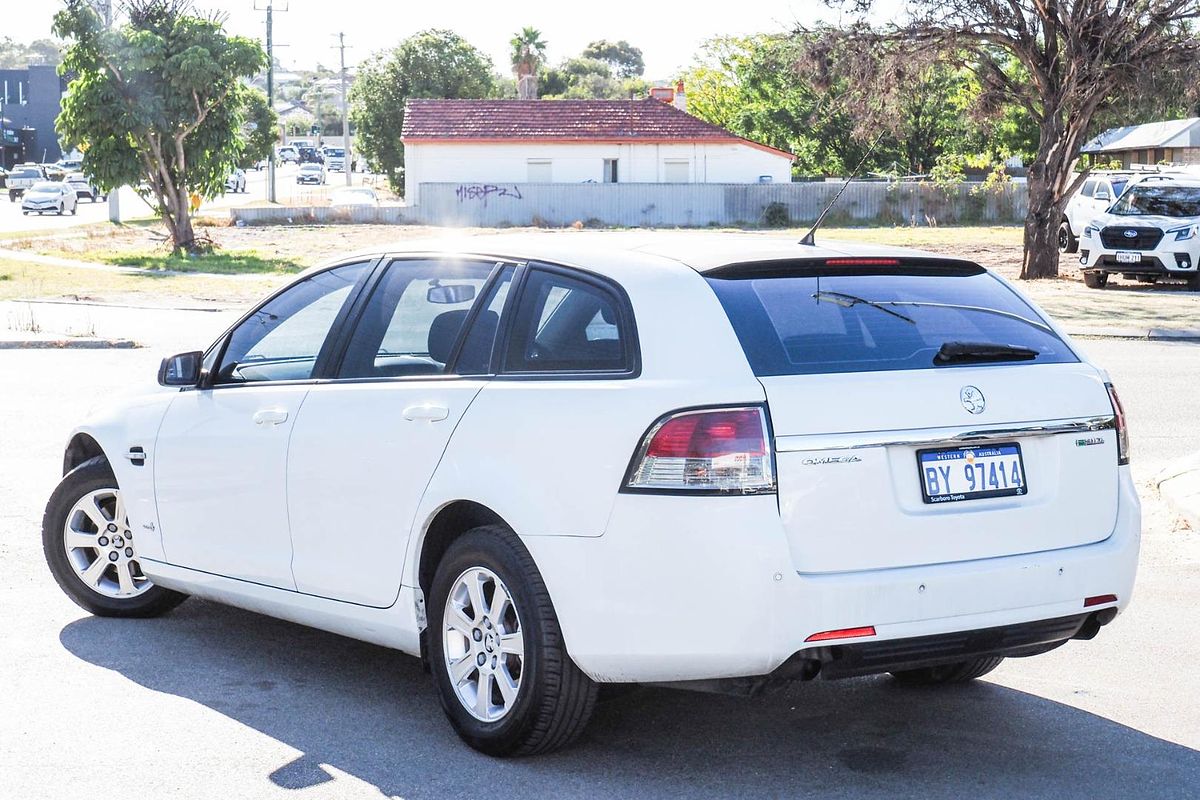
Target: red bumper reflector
(844, 633)
(1099, 600)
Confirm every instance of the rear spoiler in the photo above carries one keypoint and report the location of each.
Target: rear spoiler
(847, 265)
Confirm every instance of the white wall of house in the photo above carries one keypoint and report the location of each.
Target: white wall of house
(563, 162)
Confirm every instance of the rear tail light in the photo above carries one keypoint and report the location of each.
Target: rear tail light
(718, 450)
(1122, 429)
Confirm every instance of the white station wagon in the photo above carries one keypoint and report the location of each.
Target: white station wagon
(548, 463)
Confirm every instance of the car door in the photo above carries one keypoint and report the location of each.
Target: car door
(221, 453)
(366, 444)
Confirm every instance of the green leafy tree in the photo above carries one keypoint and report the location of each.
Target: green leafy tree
(432, 63)
(260, 131)
(15, 55)
(625, 59)
(528, 52)
(583, 78)
(157, 103)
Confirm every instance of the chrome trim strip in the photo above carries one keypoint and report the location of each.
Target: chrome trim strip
(927, 437)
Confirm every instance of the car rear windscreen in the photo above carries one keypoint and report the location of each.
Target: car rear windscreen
(804, 321)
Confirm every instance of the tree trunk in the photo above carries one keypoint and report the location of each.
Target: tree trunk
(1041, 230)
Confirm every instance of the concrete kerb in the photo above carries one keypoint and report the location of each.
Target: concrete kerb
(1178, 484)
(66, 343)
(1143, 334)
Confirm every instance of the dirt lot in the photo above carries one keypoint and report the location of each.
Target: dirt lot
(1123, 304)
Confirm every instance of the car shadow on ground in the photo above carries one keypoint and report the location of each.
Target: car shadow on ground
(372, 712)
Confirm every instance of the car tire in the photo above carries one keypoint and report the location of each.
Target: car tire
(1095, 280)
(117, 590)
(1067, 241)
(552, 700)
(61, 209)
(959, 672)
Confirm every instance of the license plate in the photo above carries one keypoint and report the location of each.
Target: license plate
(971, 473)
(1126, 257)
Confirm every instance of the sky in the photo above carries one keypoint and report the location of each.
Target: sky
(669, 34)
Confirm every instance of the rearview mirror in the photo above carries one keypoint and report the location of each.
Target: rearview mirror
(181, 370)
(452, 294)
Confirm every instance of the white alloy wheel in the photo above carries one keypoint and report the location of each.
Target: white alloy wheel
(483, 644)
(99, 546)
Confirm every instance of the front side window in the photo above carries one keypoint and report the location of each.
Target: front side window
(563, 324)
(414, 317)
(282, 339)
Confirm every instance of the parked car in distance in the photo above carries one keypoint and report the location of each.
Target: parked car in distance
(69, 165)
(310, 155)
(335, 159)
(353, 196)
(537, 484)
(84, 188)
(1098, 191)
(236, 182)
(260, 165)
(22, 177)
(56, 196)
(311, 173)
(287, 153)
(1151, 234)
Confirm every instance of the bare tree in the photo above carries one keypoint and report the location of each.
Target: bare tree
(1074, 57)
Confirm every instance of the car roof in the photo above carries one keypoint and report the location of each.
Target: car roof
(614, 253)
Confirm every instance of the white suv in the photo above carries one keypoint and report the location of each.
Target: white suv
(1150, 234)
(544, 463)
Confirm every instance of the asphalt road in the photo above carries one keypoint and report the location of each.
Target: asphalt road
(133, 207)
(215, 702)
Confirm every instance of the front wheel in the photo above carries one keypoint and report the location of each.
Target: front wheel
(1095, 280)
(89, 547)
(959, 672)
(1067, 243)
(502, 671)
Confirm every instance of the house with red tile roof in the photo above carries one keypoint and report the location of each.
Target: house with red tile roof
(649, 140)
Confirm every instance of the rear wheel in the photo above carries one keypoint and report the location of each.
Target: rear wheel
(90, 549)
(959, 672)
(1067, 243)
(1095, 280)
(503, 674)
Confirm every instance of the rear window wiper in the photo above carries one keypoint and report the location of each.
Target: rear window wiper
(982, 353)
(849, 301)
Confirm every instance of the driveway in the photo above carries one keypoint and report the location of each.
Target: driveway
(216, 702)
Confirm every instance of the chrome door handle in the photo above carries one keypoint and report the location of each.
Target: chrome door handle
(429, 413)
(270, 416)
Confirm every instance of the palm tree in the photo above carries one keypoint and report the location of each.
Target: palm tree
(528, 53)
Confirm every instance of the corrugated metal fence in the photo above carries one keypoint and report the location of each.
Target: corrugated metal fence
(700, 204)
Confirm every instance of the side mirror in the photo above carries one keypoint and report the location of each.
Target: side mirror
(451, 295)
(181, 370)
(1102, 195)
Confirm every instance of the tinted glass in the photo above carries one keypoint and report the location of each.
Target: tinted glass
(1118, 186)
(475, 358)
(1159, 200)
(1088, 188)
(414, 318)
(800, 325)
(566, 325)
(281, 340)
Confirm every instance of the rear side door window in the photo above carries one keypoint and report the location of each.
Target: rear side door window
(414, 318)
(569, 324)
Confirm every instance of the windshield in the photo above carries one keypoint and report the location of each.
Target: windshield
(803, 324)
(46, 187)
(1118, 185)
(1159, 200)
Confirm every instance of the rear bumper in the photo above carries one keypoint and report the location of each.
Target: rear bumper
(679, 590)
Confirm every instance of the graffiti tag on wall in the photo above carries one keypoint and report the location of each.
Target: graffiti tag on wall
(482, 192)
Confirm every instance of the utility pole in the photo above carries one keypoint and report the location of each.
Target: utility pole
(269, 7)
(347, 169)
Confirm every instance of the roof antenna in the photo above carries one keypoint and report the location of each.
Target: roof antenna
(810, 237)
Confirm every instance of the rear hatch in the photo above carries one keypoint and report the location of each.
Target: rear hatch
(923, 413)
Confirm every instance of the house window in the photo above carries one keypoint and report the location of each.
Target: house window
(677, 170)
(539, 170)
(610, 170)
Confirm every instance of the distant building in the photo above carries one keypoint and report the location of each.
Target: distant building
(653, 140)
(1172, 141)
(29, 103)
